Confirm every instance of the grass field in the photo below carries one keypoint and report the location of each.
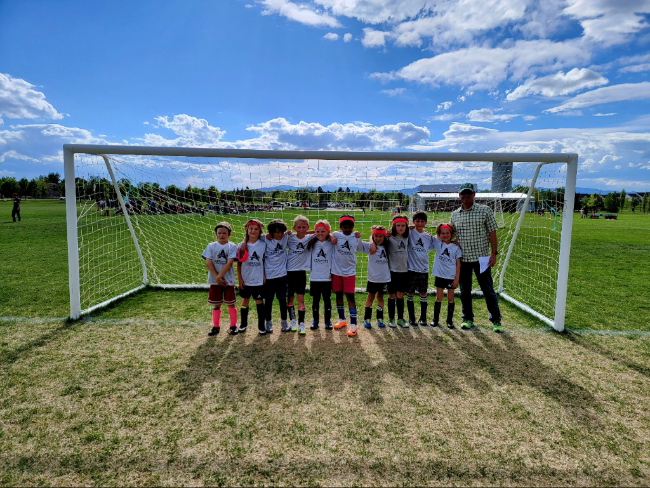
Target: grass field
(138, 394)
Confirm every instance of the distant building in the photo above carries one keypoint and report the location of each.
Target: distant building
(444, 198)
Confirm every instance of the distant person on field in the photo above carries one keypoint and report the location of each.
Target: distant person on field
(476, 231)
(15, 212)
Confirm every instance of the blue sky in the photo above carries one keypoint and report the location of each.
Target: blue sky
(467, 75)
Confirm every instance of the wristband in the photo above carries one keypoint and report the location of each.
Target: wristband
(494, 253)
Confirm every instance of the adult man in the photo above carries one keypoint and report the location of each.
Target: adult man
(476, 231)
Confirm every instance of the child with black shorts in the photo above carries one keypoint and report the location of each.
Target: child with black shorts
(321, 252)
(398, 263)
(219, 258)
(446, 270)
(420, 244)
(378, 274)
(298, 262)
(275, 270)
(250, 273)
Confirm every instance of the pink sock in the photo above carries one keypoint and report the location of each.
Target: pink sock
(216, 317)
(232, 312)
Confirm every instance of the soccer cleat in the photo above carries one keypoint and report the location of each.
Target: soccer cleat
(451, 325)
(263, 332)
(352, 333)
(269, 327)
(214, 331)
(422, 322)
(367, 324)
(328, 326)
(241, 330)
(402, 323)
(301, 329)
(313, 326)
(496, 327)
(285, 326)
(467, 324)
(234, 331)
(340, 324)
(434, 324)
(412, 323)
(293, 325)
(380, 324)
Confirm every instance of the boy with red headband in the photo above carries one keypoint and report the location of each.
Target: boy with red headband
(378, 274)
(250, 273)
(344, 271)
(446, 271)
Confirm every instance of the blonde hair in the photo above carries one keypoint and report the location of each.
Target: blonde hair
(225, 225)
(300, 218)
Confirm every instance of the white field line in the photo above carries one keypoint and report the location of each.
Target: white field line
(134, 321)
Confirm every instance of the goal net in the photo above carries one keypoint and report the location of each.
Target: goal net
(141, 216)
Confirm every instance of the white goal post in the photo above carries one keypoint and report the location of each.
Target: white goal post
(122, 221)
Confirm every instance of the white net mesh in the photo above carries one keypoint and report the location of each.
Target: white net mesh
(174, 204)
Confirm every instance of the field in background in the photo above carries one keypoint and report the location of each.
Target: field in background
(138, 394)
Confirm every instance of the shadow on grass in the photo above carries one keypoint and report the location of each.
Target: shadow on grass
(9, 357)
(447, 360)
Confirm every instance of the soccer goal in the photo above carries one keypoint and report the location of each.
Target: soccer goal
(141, 216)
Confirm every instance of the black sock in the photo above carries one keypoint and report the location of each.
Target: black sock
(292, 312)
(380, 313)
(327, 306)
(283, 310)
(410, 305)
(301, 316)
(268, 310)
(368, 314)
(436, 311)
(391, 309)
(315, 312)
(423, 308)
(450, 312)
(244, 317)
(400, 308)
(260, 316)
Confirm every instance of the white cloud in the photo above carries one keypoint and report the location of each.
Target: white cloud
(18, 100)
(444, 106)
(347, 37)
(373, 38)
(529, 117)
(445, 117)
(604, 115)
(299, 13)
(15, 155)
(608, 94)
(487, 115)
(331, 36)
(191, 131)
(636, 68)
(394, 92)
(558, 84)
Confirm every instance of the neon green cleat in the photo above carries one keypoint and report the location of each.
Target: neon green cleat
(467, 324)
(496, 327)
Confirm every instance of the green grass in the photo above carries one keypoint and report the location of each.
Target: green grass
(137, 394)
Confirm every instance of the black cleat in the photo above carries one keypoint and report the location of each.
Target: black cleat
(234, 331)
(214, 331)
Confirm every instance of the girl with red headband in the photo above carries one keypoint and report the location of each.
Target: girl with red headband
(378, 274)
(446, 271)
(321, 252)
(398, 264)
(250, 273)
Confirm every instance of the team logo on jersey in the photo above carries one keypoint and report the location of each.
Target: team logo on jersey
(402, 245)
(383, 254)
(445, 252)
(321, 254)
(346, 245)
(300, 246)
(222, 254)
(254, 256)
(419, 242)
(278, 247)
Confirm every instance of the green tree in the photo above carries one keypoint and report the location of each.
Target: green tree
(595, 201)
(622, 199)
(9, 186)
(610, 203)
(584, 201)
(53, 178)
(22, 184)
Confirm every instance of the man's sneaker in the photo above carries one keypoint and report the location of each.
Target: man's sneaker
(434, 324)
(234, 331)
(269, 327)
(294, 326)
(451, 325)
(392, 324)
(340, 324)
(402, 323)
(328, 326)
(367, 324)
(285, 326)
(496, 327)
(423, 322)
(467, 324)
(301, 329)
(241, 330)
(263, 332)
(214, 331)
(313, 326)
(380, 324)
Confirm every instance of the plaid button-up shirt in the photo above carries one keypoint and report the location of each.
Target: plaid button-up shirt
(473, 229)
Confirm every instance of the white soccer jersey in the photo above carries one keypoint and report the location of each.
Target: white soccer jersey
(252, 270)
(275, 257)
(419, 246)
(378, 270)
(398, 254)
(444, 265)
(345, 254)
(321, 261)
(219, 254)
(298, 258)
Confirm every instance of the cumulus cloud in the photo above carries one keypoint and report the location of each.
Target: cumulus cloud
(191, 131)
(347, 37)
(299, 13)
(373, 38)
(488, 115)
(635, 68)
(558, 84)
(394, 92)
(331, 36)
(444, 106)
(19, 100)
(607, 94)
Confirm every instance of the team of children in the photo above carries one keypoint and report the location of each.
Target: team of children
(275, 265)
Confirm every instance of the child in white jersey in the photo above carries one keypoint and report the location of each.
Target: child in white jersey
(321, 252)
(344, 271)
(250, 273)
(219, 258)
(446, 270)
(420, 244)
(298, 262)
(275, 269)
(378, 274)
(398, 263)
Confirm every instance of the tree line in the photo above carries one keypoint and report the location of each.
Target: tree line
(40, 187)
